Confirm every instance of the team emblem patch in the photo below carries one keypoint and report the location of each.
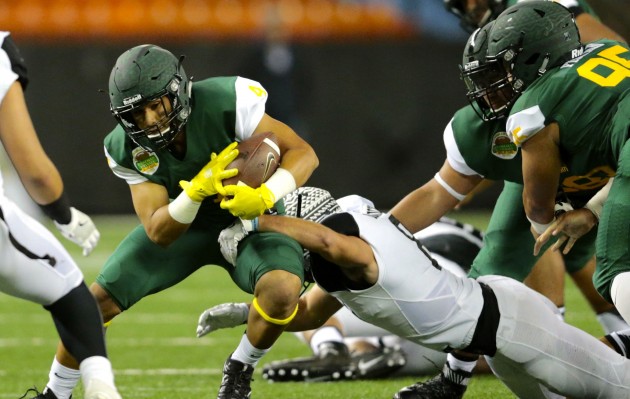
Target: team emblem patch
(147, 162)
(502, 146)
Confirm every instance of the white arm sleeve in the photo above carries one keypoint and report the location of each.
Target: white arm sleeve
(250, 106)
(524, 124)
(454, 157)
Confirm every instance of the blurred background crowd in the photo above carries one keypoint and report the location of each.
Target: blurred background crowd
(371, 84)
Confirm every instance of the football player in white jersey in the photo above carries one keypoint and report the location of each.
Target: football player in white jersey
(378, 270)
(347, 347)
(33, 264)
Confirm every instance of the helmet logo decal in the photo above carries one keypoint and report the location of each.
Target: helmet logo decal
(502, 147)
(147, 162)
(133, 99)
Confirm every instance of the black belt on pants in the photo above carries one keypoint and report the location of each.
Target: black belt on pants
(484, 340)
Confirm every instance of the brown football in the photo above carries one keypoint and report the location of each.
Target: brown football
(258, 158)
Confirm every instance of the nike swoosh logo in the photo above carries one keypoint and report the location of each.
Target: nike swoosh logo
(271, 159)
(60, 377)
(366, 365)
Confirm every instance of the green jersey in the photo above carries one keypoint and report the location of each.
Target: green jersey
(475, 147)
(224, 109)
(232, 108)
(583, 97)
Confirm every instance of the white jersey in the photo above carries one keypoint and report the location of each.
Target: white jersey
(413, 297)
(7, 77)
(33, 264)
(416, 299)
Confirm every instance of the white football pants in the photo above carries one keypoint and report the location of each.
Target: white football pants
(534, 347)
(33, 263)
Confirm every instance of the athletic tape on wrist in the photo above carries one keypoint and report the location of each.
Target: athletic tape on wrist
(540, 227)
(281, 183)
(183, 209)
(279, 322)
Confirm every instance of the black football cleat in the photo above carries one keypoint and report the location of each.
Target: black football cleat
(47, 394)
(332, 363)
(237, 379)
(380, 363)
(449, 386)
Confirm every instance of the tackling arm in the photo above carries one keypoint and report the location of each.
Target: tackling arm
(352, 254)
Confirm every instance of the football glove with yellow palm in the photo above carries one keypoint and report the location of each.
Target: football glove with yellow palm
(208, 181)
(246, 202)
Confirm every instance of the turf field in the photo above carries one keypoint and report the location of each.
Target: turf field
(155, 352)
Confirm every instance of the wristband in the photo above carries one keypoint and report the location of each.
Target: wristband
(182, 209)
(250, 225)
(58, 210)
(541, 227)
(281, 183)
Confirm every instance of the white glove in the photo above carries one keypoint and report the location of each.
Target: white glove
(225, 315)
(229, 239)
(81, 230)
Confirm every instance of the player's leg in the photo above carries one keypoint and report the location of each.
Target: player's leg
(532, 341)
(270, 266)
(607, 315)
(137, 268)
(507, 251)
(35, 266)
(612, 275)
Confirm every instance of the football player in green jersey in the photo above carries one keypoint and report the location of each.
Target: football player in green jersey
(168, 134)
(478, 149)
(475, 14)
(570, 110)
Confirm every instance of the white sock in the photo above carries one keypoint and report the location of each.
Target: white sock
(247, 353)
(97, 367)
(324, 334)
(620, 293)
(458, 364)
(612, 321)
(62, 380)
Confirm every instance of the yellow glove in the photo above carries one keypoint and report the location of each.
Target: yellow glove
(246, 202)
(209, 179)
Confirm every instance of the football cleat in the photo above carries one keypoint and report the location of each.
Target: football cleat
(237, 379)
(449, 386)
(47, 394)
(379, 363)
(332, 363)
(97, 389)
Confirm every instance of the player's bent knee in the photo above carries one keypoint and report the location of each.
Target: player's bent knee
(274, 320)
(109, 308)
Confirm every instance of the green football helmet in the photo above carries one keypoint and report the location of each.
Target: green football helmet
(144, 74)
(483, 12)
(484, 96)
(526, 41)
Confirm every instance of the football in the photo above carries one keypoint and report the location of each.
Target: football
(258, 158)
